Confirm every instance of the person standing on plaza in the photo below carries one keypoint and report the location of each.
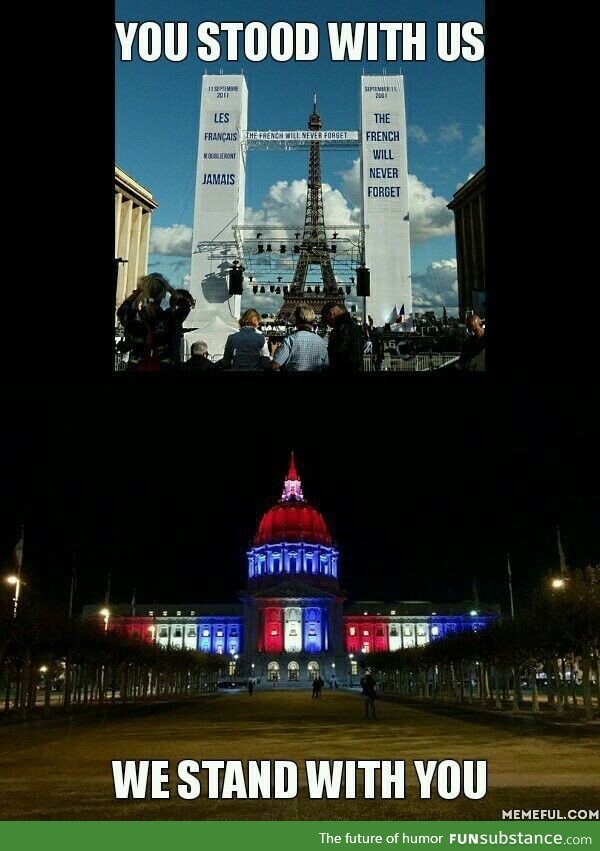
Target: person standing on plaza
(472, 356)
(200, 360)
(303, 350)
(369, 694)
(246, 350)
(346, 340)
(180, 305)
(150, 330)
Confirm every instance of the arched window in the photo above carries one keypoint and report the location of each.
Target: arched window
(313, 670)
(273, 671)
(293, 671)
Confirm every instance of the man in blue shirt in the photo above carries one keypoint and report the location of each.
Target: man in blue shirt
(303, 350)
(246, 350)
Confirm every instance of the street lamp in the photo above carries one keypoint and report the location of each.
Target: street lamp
(43, 670)
(17, 582)
(558, 583)
(350, 657)
(106, 615)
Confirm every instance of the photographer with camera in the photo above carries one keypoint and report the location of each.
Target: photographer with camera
(151, 332)
(180, 304)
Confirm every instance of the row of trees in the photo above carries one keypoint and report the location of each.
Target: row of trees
(559, 636)
(75, 664)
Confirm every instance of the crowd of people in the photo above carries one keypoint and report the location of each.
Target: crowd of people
(153, 333)
(153, 337)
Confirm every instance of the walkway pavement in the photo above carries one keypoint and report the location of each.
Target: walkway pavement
(63, 771)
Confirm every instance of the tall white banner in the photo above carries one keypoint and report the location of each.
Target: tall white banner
(219, 205)
(384, 183)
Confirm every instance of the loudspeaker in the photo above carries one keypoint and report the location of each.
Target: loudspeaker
(236, 281)
(363, 281)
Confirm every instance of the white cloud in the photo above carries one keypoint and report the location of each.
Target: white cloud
(285, 204)
(450, 133)
(436, 287)
(267, 303)
(351, 183)
(176, 241)
(477, 143)
(462, 183)
(429, 215)
(175, 269)
(418, 134)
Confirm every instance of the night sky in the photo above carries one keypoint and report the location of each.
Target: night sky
(421, 495)
(425, 481)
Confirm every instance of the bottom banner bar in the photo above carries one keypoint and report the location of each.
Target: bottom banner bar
(300, 836)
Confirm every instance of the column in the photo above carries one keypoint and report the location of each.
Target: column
(118, 202)
(134, 249)
(125, 215)
(144, 243)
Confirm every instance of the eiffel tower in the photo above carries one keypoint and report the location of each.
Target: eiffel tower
(313, 248)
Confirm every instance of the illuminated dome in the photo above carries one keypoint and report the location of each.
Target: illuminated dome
(292, 519)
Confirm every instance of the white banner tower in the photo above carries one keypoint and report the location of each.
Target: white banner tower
(384, 186)
(219, 206)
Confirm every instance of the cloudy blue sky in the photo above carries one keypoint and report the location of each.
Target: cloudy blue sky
(157, 114)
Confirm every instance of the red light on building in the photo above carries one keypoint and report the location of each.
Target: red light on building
(274, 630)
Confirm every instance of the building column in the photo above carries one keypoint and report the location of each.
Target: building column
(126, 213)
(475, 247)
(118, 202)
(134, 249)
(144, 242)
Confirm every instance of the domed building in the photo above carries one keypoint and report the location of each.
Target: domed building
(293, 608)
(293, 622)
